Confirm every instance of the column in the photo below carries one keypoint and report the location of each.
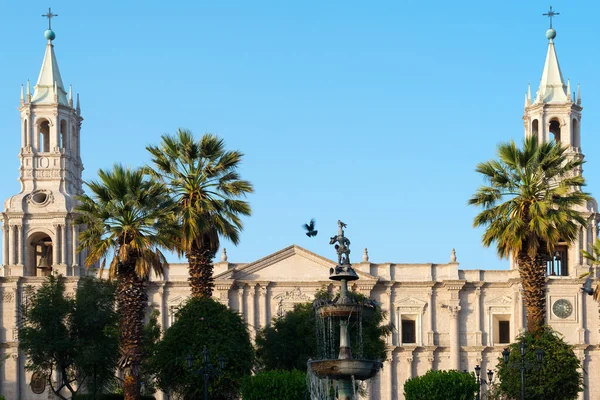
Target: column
(264, 302)
(12, 254)
(478, 315)
(454, 337)
(163, 310)
(5, 245)
(385, 386)
(251, 309)
(75, 232)
(580, 318)
(430, 333)
(585, 247)
(388, 293)
(21, 244)
(63, 244)
(240, 292)
(580, 353)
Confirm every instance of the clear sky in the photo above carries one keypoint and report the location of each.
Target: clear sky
(375, 113)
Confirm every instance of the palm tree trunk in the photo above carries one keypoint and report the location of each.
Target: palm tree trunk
(533, 280)
(131, 299)
(201, 272)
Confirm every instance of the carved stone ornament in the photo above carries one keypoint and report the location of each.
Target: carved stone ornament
(40, 198)
(8, 297)
(38, 383)
(286, 301)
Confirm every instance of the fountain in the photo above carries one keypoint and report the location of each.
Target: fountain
(347, 311)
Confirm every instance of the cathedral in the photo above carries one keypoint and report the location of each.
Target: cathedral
(446, 317)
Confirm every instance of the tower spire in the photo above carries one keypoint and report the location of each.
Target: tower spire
(552, 85)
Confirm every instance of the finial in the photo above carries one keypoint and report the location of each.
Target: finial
(453, 256)
(224, 255)
(550, 33)
(529, 92)
(28, 91)
(78, 105)
(365, 257)
(22, 95)
(568, 89)
(49, 34)
(71, 95)
(578, 94)
(526, 100)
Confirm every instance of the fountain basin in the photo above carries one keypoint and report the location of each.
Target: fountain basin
(344, 310)
(345, 369)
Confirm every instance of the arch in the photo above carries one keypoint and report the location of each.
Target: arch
(39, 245)
(535, 127)
(43, 127)
(555, 129)
(575, 129)
(63, 134)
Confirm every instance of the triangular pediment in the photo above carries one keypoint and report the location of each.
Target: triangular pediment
(292, 264)
(410, 302)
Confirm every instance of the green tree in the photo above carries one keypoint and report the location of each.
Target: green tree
(76, 337)
(556, 378)
(281, 385)
(529, 206)
(594, 257)
(203, 322)
(203, 179)
(441, 385)
(128, 218)
(290, 340)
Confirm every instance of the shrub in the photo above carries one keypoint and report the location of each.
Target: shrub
(441, 385)
(556, 378)
(281, 385)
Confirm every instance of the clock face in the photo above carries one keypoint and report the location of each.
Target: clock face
(562, 308)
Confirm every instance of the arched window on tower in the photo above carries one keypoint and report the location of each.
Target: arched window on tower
(557, 263)
(555, 130)
(44, 132)
(63, 134)
(576, 138)
(535, 127)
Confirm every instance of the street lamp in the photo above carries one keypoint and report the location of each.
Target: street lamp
(490, 375)
(539, 355)
(207, 370)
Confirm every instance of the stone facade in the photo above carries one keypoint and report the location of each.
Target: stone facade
(447, 318)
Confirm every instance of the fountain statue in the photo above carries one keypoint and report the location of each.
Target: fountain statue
(336, 360)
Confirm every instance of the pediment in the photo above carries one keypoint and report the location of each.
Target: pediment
(503, 301)
(292, 264)
(410, 302)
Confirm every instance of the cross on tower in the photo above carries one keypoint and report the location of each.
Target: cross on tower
(550, 14)
(49, 15)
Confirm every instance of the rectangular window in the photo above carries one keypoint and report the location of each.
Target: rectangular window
(409, 331)
(503, 331)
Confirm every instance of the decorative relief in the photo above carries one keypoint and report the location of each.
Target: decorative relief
(8, 297)
(502, 302)
(40, 198)
(46, 173)
(286, 301)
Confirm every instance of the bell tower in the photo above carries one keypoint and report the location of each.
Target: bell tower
(555, 115)
(39, 232)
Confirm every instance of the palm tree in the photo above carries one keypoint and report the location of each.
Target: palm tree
(594, 257)
(529, 206)
(202, 177)
(128, 218)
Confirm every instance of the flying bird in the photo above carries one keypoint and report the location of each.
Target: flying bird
(310, 228)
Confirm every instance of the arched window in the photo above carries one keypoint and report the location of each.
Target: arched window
(555, 130)
(576, 139)
(44, 132)
(63, 134)
(535, 127)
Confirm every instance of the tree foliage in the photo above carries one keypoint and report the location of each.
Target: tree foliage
(129, 218)
(203, 179)
(556, 378)
(529, 205)
(203, 322)
(77, 337)
(282, 385)
(290, 340)
(441, 385)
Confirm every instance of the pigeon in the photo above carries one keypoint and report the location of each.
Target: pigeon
(310, 228)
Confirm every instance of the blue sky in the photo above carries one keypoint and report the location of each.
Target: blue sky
(375, 113)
